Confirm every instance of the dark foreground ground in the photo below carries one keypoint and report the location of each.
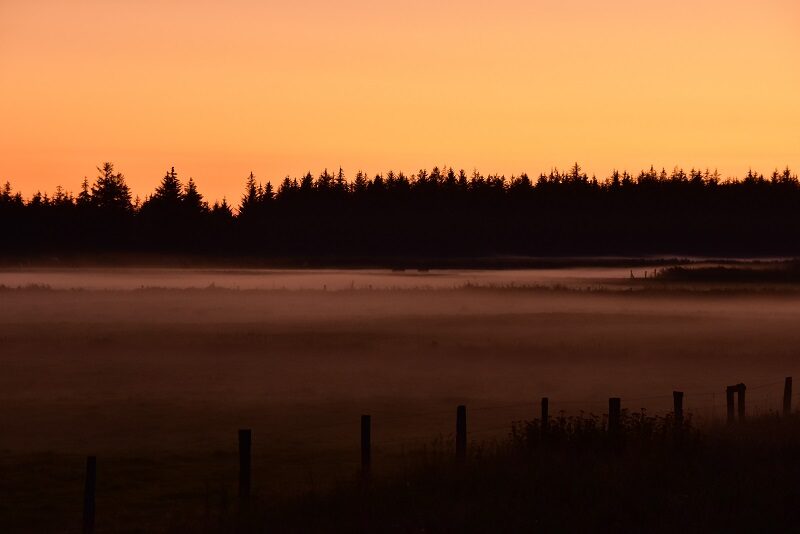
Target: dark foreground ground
(652, 477)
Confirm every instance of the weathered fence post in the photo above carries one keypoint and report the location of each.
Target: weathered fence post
(614, 410)
(245, 449)
(545, 422)
(89, 494)
(729, 401)
(677, 402)
(787, 396)
(740, 388)
(461, 433)
(366, 446)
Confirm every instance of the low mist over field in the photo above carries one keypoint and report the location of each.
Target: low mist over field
(428, 339)
(142, 365)
(301, 279)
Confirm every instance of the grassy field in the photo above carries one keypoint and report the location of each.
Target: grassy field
(156, 381)
(650, 478)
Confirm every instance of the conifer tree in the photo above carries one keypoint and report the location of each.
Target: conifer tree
(169, 192)
(110, 192)
(85, 196)
(250, 200)
(192, 199)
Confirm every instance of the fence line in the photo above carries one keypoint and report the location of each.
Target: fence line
(612, 422)
(555, 404)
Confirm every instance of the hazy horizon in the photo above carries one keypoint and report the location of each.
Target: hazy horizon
(349, 178)
(283, 89)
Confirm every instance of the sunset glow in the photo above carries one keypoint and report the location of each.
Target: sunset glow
(280, 88)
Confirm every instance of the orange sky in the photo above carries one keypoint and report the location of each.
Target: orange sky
(221, 88)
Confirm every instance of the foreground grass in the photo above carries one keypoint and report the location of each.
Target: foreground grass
(650, 478)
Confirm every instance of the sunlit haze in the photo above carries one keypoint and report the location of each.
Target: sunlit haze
(218, 89)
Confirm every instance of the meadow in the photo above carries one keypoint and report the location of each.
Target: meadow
(155, 370)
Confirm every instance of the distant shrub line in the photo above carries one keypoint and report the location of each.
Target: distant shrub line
(783, 272)
(439, 213)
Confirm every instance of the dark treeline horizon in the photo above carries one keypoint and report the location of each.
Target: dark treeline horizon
(436, 213)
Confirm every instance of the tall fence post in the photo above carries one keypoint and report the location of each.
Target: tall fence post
(614, 410)
(461, 433)
(740, 389)
(545, 419)
(89, 495)
(787, 396)
(729, 402)
(245, 453)
(677, 406)
(366, 446)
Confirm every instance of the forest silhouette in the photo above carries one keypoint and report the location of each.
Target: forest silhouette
(438, 213)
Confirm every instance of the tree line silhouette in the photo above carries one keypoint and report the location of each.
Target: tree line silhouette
(437, 213)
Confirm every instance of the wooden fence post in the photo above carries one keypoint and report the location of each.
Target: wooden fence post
(677, 402)
(461, 433)
(740, 388)
(545, 421)
(245, 449)
(729, 401)
(614, 410)
(787, 396)
(366, 445)
(89, 495)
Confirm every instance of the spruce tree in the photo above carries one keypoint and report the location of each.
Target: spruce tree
(109, 191)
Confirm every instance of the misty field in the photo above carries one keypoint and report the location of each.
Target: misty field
(154, 371)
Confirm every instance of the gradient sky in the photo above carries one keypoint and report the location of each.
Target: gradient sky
(218, 89)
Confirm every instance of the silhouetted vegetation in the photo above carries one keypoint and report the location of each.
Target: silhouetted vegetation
(436, 214)
(659, 478)
(786, 272)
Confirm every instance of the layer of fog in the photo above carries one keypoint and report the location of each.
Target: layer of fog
(302, 279)
(160, 369)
